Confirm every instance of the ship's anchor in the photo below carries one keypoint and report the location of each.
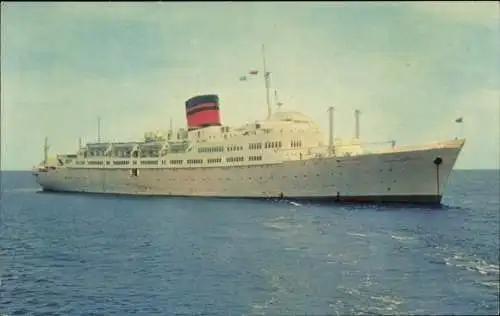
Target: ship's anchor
(437, 161)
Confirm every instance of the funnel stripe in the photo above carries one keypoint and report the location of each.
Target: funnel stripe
(209, 108)
(203, 118)
(201, 107)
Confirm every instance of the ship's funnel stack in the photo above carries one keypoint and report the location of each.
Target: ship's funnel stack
(203, 111)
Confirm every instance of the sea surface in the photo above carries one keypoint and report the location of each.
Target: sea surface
(76, 254)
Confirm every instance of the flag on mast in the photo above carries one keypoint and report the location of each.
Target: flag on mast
(251, 72)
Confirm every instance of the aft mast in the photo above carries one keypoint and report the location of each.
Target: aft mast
(45, 150)
(331, 148)
(99, 129)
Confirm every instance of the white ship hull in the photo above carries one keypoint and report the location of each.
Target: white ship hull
(404, 176)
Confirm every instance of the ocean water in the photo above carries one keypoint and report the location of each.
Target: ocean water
(73, 254)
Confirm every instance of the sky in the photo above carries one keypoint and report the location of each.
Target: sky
(412, 68)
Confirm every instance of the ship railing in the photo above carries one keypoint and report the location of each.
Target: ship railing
(356, 148)
(400, 148)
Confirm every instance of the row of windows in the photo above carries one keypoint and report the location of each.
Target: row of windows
(95, 162)
(152, 153)
(234, 148)
(235, 159)
(255, 146)
(194, 161)
(96, 153)
(276, 144)
(216, 149)
(176, 162)
(214, 160)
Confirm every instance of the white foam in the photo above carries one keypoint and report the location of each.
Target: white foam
(275, 226)
(472, 264)
(391, 300)
(403, 238)
(356, 234)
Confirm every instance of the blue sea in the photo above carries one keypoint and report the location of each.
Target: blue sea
(74, 254)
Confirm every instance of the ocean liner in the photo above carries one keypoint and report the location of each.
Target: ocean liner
(283, 156)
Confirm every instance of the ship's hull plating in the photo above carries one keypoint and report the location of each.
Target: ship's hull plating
(399, 177)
